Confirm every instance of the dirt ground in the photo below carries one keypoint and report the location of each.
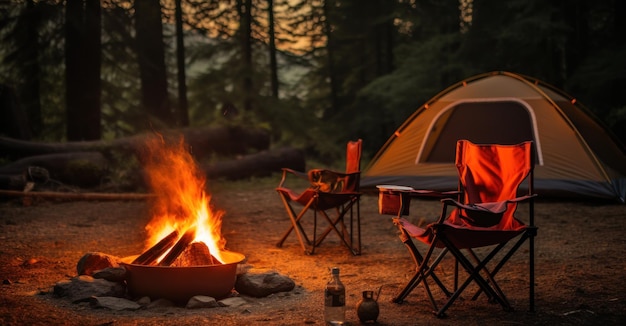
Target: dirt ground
(580, 266)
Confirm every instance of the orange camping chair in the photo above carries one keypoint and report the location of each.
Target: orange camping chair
(334, 196)
(483, 216)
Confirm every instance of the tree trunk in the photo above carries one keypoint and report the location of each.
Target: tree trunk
(91, 110)
(13, 119)
(272, 48)
(576, 16)
(31, 97)
(330, 51)
(246, 35)
(82, 64)
(73, 68)
(183, 110)
(151, 57)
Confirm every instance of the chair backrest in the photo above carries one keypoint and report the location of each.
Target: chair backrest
(493, 173)
(353, 156)
(353, 165)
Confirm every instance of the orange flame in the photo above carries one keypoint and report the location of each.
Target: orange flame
(181, 200)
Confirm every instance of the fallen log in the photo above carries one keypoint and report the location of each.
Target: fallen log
(76, 195)
(82, 169)
(94, 166)
(12, 181)
(257, 165)
(225, 140)
(156, 251)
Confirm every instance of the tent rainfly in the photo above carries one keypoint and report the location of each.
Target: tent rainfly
(576, 156)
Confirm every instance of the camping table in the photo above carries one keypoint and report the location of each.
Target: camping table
(396, 200)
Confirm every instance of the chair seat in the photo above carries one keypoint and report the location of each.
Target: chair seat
(330, 194)
(460, 236)
(325, 200)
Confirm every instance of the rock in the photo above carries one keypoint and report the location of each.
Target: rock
(94, 261)
(82, 288)
(202, 301)
(243, 268)
(160, 303)
(30, 262)
(262, 284)
(113, 274)
(144, 301)
(232, 302)
(114, 303)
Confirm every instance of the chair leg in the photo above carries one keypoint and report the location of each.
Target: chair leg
(474, 275)
(295, 225)
(358, 224)
(423, 270)
(314, 243)
(532, 233)
(344, 235)
(355, 244)
(504, 259)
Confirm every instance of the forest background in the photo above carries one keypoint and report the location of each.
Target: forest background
(314, 73)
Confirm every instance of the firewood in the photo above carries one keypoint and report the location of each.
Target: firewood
(196, 254)
(179, 247)
(152, 254)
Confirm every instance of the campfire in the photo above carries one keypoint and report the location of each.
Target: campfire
(185, 253)
(185, 260)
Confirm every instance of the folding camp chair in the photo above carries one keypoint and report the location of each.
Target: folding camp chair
(333, 195)
(490, 177)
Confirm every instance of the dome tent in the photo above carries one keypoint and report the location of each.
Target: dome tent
(576, 156)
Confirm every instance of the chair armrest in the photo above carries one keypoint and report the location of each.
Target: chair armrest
(394, 189)
(522, 198)
(288, 171)
(482, 209)
(491, 207)
(434, 193)
(487, 207)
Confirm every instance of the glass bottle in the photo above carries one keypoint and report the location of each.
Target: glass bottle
(334, 300)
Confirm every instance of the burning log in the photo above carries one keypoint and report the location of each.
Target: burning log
(152, 254)
(196, 254)
(179, 247)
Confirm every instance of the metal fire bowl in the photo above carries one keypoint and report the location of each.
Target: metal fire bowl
(179, 284)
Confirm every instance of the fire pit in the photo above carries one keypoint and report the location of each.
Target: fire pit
(179, 284)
